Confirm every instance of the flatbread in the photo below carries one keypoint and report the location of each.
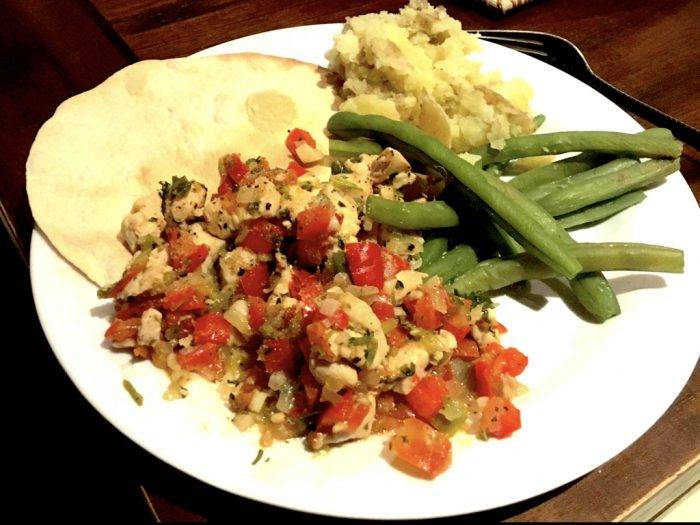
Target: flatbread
(152, 120)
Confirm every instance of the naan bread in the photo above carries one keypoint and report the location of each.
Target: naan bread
(107, 147)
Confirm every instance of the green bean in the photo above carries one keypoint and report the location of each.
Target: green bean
(543, 190)
(613, 142)
(411, 215)
(433, 250)
(560, 169)
(493, 274)
(455, 262)
(556, 170)
(508, 205)
(602, 210)
(580, 195)
(345, 149)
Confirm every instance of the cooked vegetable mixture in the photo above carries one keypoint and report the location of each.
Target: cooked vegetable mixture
(310, 311)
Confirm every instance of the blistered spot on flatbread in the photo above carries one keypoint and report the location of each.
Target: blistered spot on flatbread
(136, 80)
(270, 110)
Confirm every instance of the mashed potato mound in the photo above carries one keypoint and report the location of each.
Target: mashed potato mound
(414, 66)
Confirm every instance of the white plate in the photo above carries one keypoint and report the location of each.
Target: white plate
(594, 388)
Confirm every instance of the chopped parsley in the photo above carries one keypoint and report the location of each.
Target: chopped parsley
(175, 189)
(258, 457)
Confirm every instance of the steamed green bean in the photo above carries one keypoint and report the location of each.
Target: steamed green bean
(602, 210)
(433, 249)
(411, 215)
(455, 262)
(493, 274)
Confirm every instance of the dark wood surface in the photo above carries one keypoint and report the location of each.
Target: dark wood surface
(52, 49)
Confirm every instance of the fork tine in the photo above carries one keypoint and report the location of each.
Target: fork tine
(510, 44)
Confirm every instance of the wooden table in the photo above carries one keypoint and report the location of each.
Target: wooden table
(50, 50)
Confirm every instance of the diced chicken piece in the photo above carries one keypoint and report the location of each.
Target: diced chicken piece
(403, 179)
(149, 331)
(190, 205)
(213, 243)
(361, 314)
(219, 220)
(335, 375)
(388, 163)
(404, 283)
(146, 218)
(402, 364)
(405, 245)
(151, 278)
(260, 199)
(346, 207)
(234, 263)
(297, 199)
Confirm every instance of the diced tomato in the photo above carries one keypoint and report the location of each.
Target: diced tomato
(281, 356)
(136, 307)
(457, 323)
(203, 358)
(317, 332)
(305, 287)
(499, 327)
(233, 173)
(212, 328)
(256, 312)
(365, 263)
(295, 137)
(348, 410)
(312, 390)
(424, 314)
(397, 337)
(186, 299)
(383, 308)
(311, 252)
(428, 396)
(128, 276)
(297, 169)
(466, 349)
(339, 320)
(511, 361)
(255, 280)
(500, 418)
(391, 411)
(485, 378)
(183, 322)
(183, 252)
(393, 264)
(123, 329)
(262, 236)
(314, 222)
(421, 446)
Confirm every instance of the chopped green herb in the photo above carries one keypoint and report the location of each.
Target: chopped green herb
(253, 207)
(366, 339)
(338, 167)
(479, 298)
(258, 457)
(306, 185)
(339, 262)
(409, 370)
(138, 398)
(175, 189)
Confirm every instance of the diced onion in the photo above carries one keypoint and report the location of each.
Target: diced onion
(285, 402)
(237, 315)
(328, 306)
(257, 401)
(243, 421)
(307, 154)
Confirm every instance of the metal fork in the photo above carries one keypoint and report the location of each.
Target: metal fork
(564, 55)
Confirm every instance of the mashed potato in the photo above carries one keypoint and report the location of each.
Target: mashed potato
(414, 66)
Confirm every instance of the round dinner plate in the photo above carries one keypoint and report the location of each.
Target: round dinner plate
(593, 389)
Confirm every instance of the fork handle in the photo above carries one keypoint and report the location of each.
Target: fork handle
(680, 130)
